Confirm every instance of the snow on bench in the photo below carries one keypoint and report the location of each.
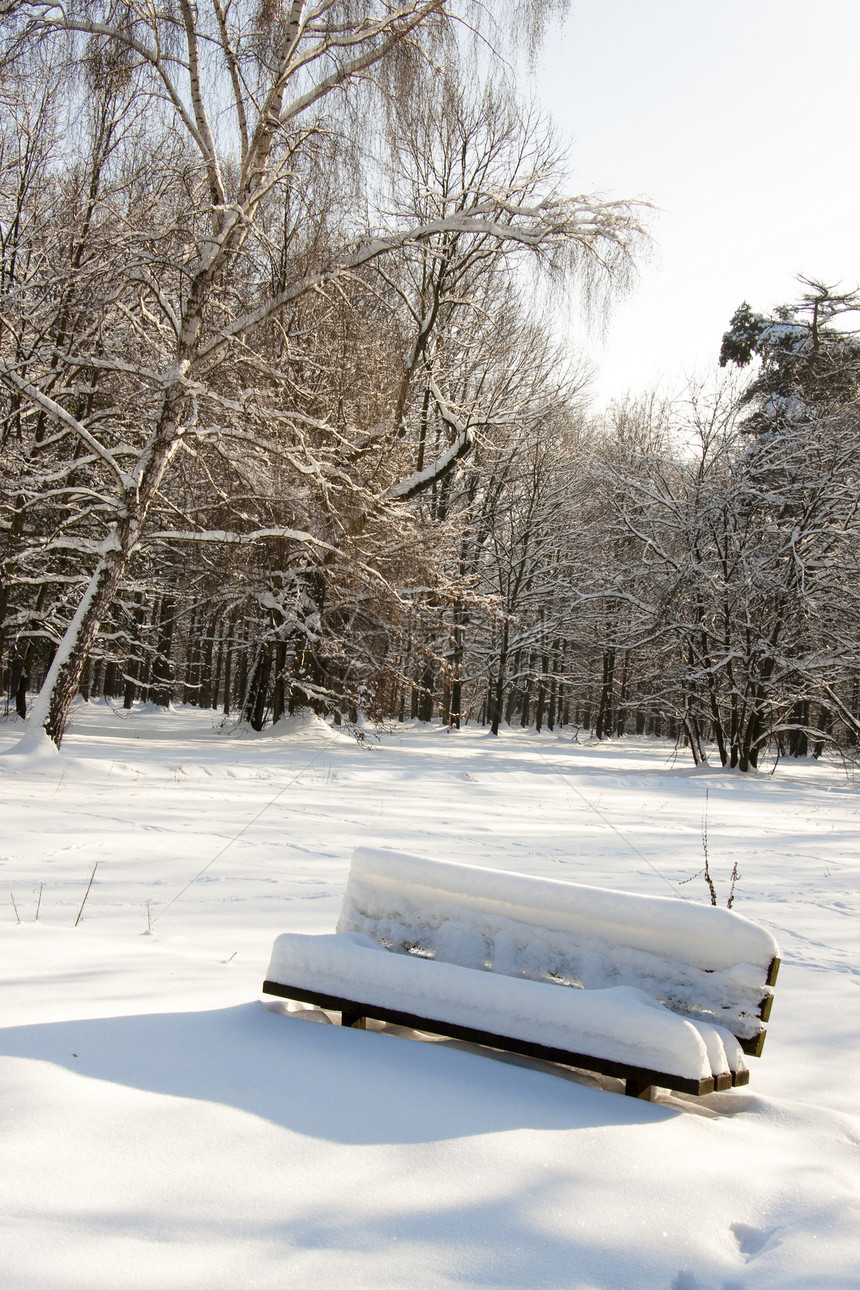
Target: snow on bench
(660, 992)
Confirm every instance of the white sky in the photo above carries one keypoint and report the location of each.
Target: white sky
(737, 119)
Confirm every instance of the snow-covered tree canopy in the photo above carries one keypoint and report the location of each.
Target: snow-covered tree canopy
(245, 251)
(810, 362)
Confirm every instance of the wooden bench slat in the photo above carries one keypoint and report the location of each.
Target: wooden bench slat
(765, 1007)
(752, 1047)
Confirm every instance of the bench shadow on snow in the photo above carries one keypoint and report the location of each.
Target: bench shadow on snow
(320, 1080)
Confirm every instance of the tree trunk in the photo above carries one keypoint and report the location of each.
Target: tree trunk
(604, 713)
(279, 698)
(425, 702)
(496, 694)
(50, 710)
(259, 691)
(162, 679)
(49, 713)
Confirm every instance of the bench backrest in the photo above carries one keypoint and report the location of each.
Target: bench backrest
(698, 960)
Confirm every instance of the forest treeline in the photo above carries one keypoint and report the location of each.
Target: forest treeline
(286, 422)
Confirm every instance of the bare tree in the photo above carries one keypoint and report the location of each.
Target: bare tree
(734, 567)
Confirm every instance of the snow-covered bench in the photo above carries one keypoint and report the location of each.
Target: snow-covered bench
(660, 992)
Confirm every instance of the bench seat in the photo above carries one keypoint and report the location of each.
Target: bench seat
(619, 1031)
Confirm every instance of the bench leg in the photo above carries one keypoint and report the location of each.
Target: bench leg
(352, 1017)
(634, 1087)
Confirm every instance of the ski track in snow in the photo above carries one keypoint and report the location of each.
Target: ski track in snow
(164, 1128)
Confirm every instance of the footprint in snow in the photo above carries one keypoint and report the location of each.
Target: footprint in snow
(685, 1281)
(751, 1240)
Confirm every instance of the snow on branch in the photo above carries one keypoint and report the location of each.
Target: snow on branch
(579, 223)
(422, 479)
(60, 413)
(224, 536)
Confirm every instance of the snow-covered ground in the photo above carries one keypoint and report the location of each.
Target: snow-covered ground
(162, 1127)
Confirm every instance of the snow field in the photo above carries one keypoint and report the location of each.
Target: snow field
(162, 1127)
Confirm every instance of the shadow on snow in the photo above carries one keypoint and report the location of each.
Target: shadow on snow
(322, 1081)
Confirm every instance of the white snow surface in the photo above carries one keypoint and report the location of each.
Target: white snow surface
(164, 1127)
(698, 959)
